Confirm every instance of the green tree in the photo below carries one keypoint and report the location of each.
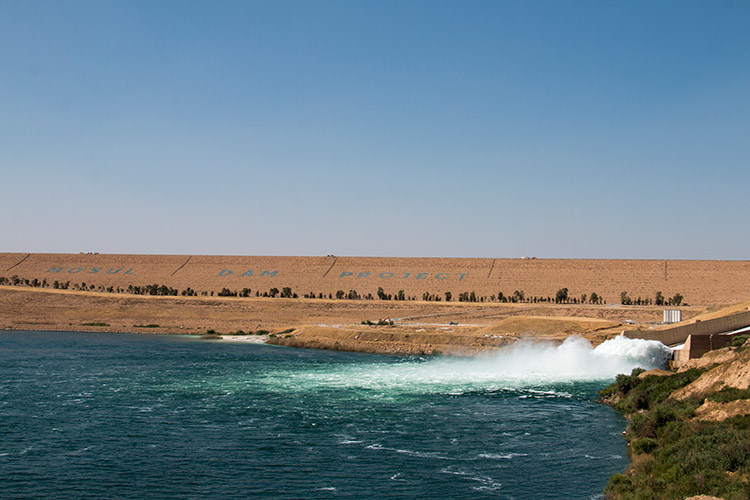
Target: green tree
(625, 300)
(448, 296)
(561, 295)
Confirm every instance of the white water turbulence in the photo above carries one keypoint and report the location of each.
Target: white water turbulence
(523, 365)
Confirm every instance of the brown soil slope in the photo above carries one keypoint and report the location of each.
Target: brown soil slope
(700, 282)
(549, 326)
(420, 327)
(33, 308)
(734, 373)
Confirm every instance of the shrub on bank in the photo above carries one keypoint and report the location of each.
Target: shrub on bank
(630, 393)
(728, 394)
(381, 322)
(675, 456)
(739, 340)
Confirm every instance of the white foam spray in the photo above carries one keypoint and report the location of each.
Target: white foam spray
(523, 365)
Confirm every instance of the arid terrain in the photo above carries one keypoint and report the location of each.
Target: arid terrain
(419, 326)
(197, 294)
(699, 282)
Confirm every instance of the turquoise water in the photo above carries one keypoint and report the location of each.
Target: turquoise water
(135, 416)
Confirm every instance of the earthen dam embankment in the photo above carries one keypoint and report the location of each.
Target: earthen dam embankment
(699, 282)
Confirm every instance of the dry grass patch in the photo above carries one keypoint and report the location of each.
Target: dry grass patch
(540, 326)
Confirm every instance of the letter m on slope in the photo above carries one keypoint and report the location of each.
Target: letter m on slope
(55, 270)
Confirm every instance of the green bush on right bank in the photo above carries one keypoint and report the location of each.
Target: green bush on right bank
(739, 340)
(630, 393)
(730, 394)
(675, 456)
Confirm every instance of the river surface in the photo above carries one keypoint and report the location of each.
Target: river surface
(92, 415)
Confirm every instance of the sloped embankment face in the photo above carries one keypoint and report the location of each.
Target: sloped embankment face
(733, 373)
(700, 282)
(9, 261)
(723, 387)
(715, 411)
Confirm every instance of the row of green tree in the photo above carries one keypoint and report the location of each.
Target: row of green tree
(16, 281)
(658, 300)
(286, 293)
(562, 296)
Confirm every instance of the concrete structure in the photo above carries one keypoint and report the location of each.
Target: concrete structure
(699, 337)
(679, 334)
(698, 345)
(672, 316)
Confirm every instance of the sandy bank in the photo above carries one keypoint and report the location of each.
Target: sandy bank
(419, 327)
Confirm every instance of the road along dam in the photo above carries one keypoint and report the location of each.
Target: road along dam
(698, 282)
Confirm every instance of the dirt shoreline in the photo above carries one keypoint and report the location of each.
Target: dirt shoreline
(419, 327)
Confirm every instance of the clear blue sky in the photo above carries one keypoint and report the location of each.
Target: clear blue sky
(424, 128)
